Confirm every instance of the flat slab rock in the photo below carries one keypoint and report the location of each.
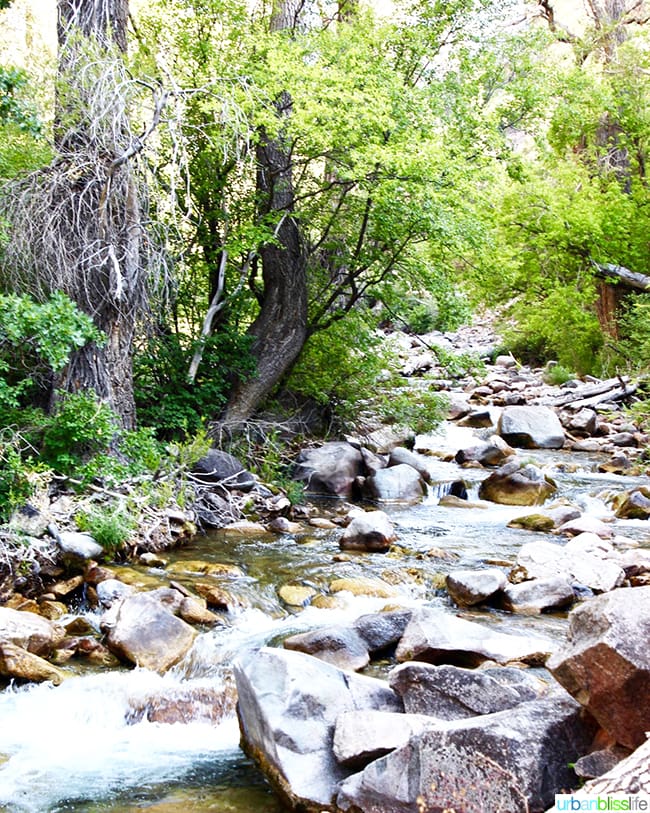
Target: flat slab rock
(436, 637)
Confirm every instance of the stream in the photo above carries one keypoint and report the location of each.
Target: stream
(81, 746)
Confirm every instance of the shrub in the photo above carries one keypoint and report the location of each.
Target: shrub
(110, 527)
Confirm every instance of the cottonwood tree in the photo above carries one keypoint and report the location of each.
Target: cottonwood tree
(79, 224)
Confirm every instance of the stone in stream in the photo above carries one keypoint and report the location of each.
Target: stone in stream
(339, 645)
(531, 427)
(79, 545)
(452, 693)
(517, 483)
(288, 705)
(469, 587)
(400, 483)
(382, 630)
(332, 468)
(142, 631)
(633, 504)
(402, 456)
(19, 664)
(538, 595)
(605, 663)
(436, 637)
(370, 531)
(490, 453)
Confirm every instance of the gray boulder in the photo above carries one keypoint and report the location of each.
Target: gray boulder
(402, 456)
(436, 637)
(469, 587)
(369, 531)
(79, 545)
(142, 631)
(339, 645)
(382, 630)
(332, 468)
(288, 706)
(490, 453)
(606, 662)
(452, 693)
(531, 427)
(29, 631)
(400, 483)
(220, 467)
(538, 595)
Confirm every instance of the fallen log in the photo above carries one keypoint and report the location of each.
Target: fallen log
(590, 391)
(623, 276)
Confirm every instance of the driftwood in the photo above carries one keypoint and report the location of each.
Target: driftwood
(623, 276)
(612, 389)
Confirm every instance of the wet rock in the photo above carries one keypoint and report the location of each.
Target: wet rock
(330, 469)
(194, 612)
(400, 483)
(296, 595)
(64, 588)
(538, 595)
(288, 705)
(17, 663)
(422, 775)
(220, 467)
(469, 587)
(220, 569)
(452, 693)
(282, 525)
(369, 531)
(215, 595)
(586, 524)
(491, 453)
(517, 484)
(481, 419)
(436, 637)
(633, 504)
(52, 610)
(30, 631)
(533, 522)
(110, 590)
(531, 427)
(339, 645)
(606, 662)
(382, 440)
(364, 586)
(244, 527)
(209, 704)
(144, 632)
(381, 631)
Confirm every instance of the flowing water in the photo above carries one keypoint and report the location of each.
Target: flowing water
(87, 745)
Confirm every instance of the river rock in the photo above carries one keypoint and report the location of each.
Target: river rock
(330, 469)
(436, 637)
(18, 663)
(400, 483)
(30, 631)
(630, 776)
(144, 632)
(194, 611)
(469, 587)
(586, 524)
(531, 427)
(111, 590)
(452, 693)
(537, 595)
(363, 586)
(606, 662)
(582, 423)
(217, 466)
(633, 504)
(288, 706)
(533, 742)
(370, 531)
(490, 453)
(517, 484)
(296, 595)
(363, 736)
(382, 630)
(403, 456)
(181, 704)
(424, 776)
(342, 646)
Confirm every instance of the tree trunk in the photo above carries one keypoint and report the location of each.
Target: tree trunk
(280, 329)
(102, 220)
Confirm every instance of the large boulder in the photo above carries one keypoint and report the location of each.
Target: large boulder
(489, 453)
(517, 483)
(288, 706)
(332, 468)
(337, 644)
(142, 631)
(30, 631)
(370, 531)
(538, 595)
(451, 693)
(606, 662)
(18, 663)
(423, 776)
(399, 483)
(436, 637)
(499, 758)
(531, 427)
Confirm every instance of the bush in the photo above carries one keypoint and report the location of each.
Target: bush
(15, 484)
(109, 527)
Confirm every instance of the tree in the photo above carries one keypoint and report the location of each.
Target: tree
(78, 225)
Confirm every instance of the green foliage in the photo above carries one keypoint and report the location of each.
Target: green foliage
(166, 399)
(14, 107)
(81, 426)
(15, 484)
(110, 527)
(22, 147)
(459, 365)
(420, 410)
(556, 374)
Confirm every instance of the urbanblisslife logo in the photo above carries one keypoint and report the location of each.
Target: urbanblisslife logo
(609, 802)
